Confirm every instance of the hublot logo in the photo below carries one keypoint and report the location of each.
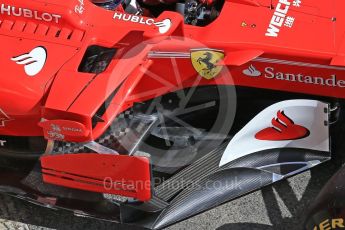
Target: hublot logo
(27, 13)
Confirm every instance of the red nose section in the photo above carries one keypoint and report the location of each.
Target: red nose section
(114, 174)
(283, 129)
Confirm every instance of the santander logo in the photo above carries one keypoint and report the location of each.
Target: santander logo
(164, 26)
(252, 72)
(33, 62)
(283, 129)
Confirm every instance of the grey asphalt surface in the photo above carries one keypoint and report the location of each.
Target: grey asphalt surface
(280, 206)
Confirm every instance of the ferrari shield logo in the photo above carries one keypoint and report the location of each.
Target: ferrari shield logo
(205, 62)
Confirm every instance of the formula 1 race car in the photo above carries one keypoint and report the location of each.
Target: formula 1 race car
(149, 112)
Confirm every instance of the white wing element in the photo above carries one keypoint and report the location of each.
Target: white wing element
(310, 114)
(33, 61)
(164, 26)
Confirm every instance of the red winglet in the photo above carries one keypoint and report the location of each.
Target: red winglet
(128, 176)
(64, 130)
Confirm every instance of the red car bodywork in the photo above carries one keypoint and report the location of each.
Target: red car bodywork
(307, 57)
(76, 96)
